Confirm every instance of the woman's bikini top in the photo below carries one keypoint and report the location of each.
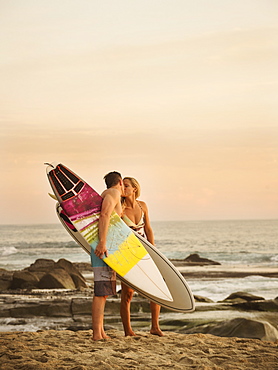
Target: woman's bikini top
(139, 228)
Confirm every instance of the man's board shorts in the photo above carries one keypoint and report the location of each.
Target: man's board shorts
(104, 277)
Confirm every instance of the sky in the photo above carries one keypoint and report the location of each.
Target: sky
(181, 95)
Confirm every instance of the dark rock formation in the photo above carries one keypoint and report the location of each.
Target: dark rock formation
(6, 278)
(24, 280)
(44, 274)
(194, 260)
(239, 327)
(199, 298)
(270, 305)
(41, 265)
(76, 276)
(56, 279)
(243, 296)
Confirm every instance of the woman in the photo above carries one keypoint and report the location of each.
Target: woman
(136, 216)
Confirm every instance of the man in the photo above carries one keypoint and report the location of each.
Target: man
(104, 276)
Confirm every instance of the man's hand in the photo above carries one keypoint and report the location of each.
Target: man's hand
(101, 250)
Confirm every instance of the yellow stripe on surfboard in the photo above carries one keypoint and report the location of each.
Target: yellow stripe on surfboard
(130, 252)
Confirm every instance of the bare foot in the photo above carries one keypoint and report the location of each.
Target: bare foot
(130, 334)
(157, 332)
(95, 338)
(101, 336)
(105, 336)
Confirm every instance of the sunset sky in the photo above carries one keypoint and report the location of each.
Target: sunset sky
(182, 95)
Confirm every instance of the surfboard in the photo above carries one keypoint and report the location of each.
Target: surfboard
(182, 297)
(81, 204)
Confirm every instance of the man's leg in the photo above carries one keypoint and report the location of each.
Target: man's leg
(126, 296)
(155, 329)
(98, 317)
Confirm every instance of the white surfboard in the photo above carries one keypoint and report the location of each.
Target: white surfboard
(81, 204)
(183, 300)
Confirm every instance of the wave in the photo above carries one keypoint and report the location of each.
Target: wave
(7, 251)
(22, 246)
(218, 290)
(274, 258)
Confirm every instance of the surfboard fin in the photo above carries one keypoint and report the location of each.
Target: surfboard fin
(52, 196)
(49, 164)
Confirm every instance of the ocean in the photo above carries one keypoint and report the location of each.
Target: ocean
(252, 243)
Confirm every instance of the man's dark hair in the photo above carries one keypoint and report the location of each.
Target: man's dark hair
(112, 179)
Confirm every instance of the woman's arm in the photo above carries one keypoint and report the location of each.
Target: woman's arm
(147, 228)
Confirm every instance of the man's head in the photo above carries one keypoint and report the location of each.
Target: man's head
(112, 179)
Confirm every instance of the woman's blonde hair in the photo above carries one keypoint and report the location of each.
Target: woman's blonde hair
(135, 184)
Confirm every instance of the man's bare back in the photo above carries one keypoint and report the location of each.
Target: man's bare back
(115, 198)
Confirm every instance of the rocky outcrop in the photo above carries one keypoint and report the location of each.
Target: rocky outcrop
(240, 328)
(57, 279)
(24, 280)
(194, 260)
(249, 302)
(242, 296)
(270, 305)
(199, 298)
(41, 265)
(44, 274)
(6, 278)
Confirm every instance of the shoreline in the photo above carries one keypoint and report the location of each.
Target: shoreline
(208, 270)
(33, 309)
(64, 309)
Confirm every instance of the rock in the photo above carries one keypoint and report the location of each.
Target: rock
(239, 327)
(270, 305)
(56, 308)
(83, 266)
(5, 284)
(199, 298)
(57, 279)
(24, 280)
(81, 306)
(59, 308)
(41, 265)
(5, 280)
(76, 276)
(195, 260)
(243, 296)
(246, 328)
(79, 281)
(45, 274)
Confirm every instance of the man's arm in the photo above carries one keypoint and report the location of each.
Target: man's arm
(108, 205)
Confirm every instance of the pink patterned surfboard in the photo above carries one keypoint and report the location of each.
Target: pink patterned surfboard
(126, 254)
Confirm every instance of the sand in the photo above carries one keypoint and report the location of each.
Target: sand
(76, 351)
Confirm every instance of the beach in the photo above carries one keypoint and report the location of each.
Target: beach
(47, 329)
(76, 351)
(234, 325)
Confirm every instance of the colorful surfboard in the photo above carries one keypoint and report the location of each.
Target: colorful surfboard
(126, 254)
(183, 299)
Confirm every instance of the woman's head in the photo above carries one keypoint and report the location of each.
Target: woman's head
(131, 182)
